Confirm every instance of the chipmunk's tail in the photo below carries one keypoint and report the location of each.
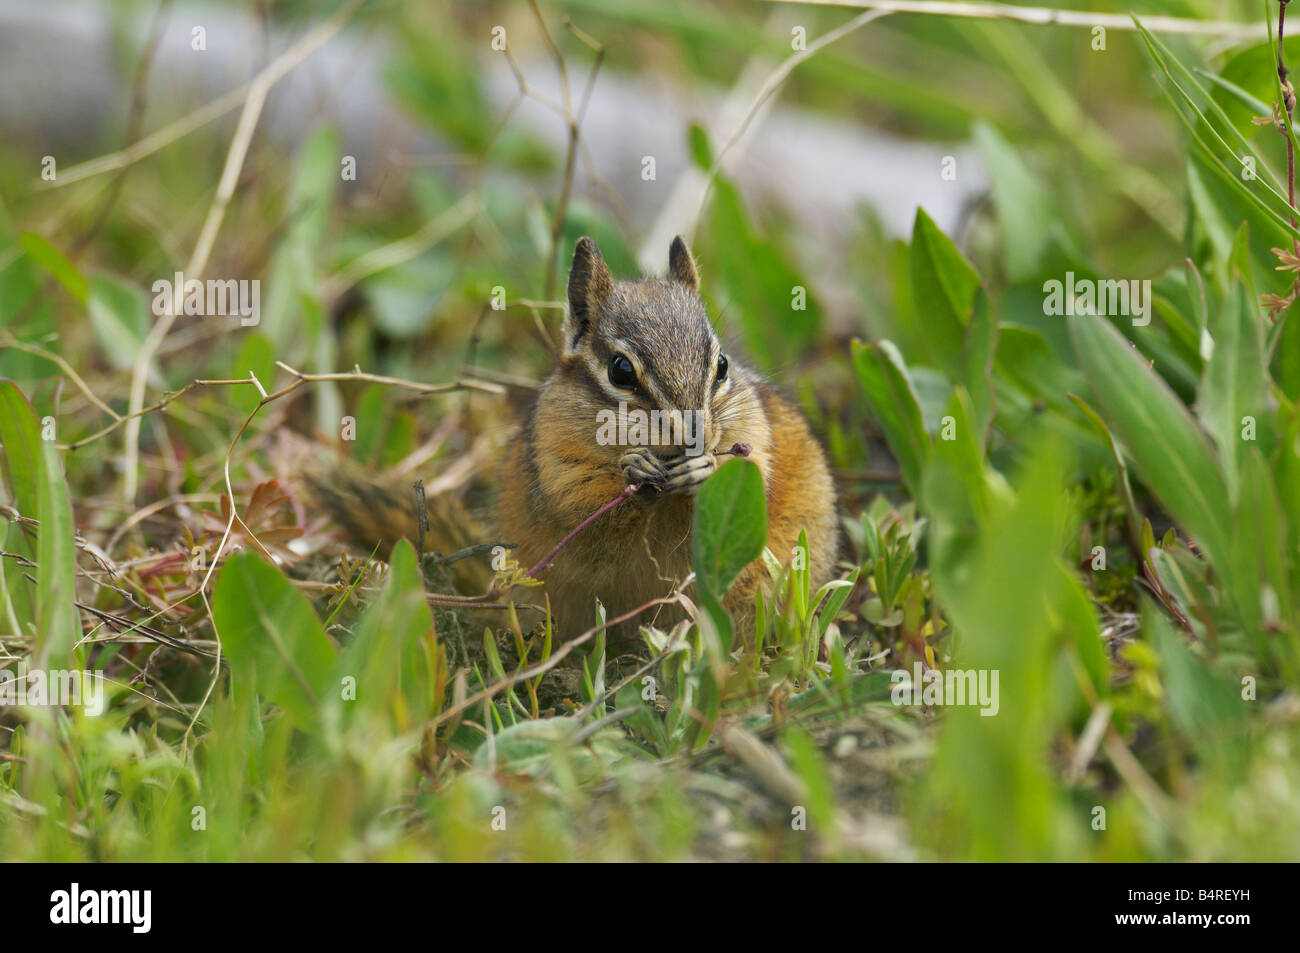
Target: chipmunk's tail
(376, 510)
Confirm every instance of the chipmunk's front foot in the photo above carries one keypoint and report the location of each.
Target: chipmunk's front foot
(640, 465)
(685, 474)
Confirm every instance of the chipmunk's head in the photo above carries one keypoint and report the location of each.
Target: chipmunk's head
(647, 344)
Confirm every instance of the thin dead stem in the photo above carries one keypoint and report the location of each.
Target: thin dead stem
(198, 261)
(1047, 16)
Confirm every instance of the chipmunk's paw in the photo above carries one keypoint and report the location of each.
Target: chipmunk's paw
(640, 465)
(685, 474)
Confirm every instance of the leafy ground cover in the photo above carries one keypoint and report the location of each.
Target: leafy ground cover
(1087, 487)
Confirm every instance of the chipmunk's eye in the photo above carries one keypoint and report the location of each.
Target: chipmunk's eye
(722, 369)
(621, 372)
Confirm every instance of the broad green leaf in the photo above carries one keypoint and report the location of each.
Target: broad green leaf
(807, 762)
(1208, 125)
(255, 356)
(389, 653)
(944, 286)
(893, 402)
(34, 477)
(1252, 70)
(58, 621)
(729, 532)
(1172, 455)
(1233, 384)
(957, 494)
(119, 315)
(21, 436)
(754, 282)
(1260, 571)
(1024, 207)
(1203, 703)
(979, 347)
(1130, 505)
(295, 267)
(991, 794)
(1286, 475)
(730, 524)
(20, 464)
(56, 263)
(274, 641)
(541, 748)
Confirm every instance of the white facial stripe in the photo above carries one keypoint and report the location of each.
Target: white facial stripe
(600, 373)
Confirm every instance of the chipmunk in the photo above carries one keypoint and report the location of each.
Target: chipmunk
(627, 345)
(648, 345)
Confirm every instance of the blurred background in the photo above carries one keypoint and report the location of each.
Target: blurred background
(410, 107)
(408, 196)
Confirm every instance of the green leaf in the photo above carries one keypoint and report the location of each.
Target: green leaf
(274, 641)
(21, 436)
(957, 493)
(752, 278)
(1252, 70)
(1172, 455)
(836, 593)
(119, 315)
(990, 793)
(1255, 108)
(295, 267)
(389, 654)
(56, 263)
(893, 402)
(1202, 702)
(1135, 518)
(729, 532)
(1259, 574)
(20, 458)
(979, 347)
(1225, 158)
(593, 674)
(542, 748)
(58, 622)
(1024, 207)
(944, 286)
(808, 765)
(730, 527)
(697, 139)
(1233, 384)
(255, 356)
(34, 477)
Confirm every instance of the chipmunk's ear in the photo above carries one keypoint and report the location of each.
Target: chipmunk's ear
(589, 284)
(681, 266)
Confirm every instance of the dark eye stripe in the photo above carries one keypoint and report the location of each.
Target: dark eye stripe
(597, 386)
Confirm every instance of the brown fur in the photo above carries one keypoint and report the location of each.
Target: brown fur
(375, 511)
(557, 474)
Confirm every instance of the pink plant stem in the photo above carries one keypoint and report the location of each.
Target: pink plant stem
(737, 449)
(627, 493)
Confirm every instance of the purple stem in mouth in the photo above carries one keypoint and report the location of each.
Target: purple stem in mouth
(628, 491)
(737, 450)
